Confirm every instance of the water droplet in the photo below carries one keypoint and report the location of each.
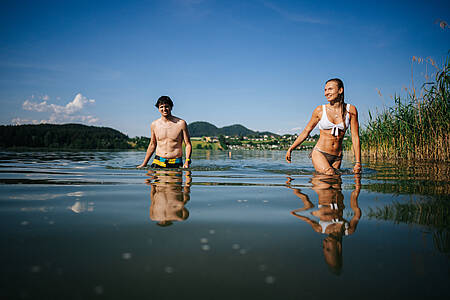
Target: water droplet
(235, 247)
(24, 223)
(206, 247)
(270, 280)
(265, 201)
(168, 270)
(98, 290)
(262, 268)
(243, 251)
(126, 255)
(212, 231)
(35, 269)
(203, 240)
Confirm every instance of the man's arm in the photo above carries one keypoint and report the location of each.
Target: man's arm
(187, 142)
(151, 147)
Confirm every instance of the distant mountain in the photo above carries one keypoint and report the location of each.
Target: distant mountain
(236, 130)
(202, 129)
(198, 129)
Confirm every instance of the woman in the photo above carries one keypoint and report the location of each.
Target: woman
(329, 215)
(333, 118)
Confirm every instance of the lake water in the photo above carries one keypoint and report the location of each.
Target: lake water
(238, 225)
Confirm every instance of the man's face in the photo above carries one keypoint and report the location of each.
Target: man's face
(165, 110)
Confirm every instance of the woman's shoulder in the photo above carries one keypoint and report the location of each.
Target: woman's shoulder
(352, 109)
(318, 109)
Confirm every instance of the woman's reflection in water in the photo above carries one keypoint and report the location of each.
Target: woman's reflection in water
(169, 195)
(329, 213)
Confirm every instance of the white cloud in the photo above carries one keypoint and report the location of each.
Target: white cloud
(59, 113)
(63, 118)
(75, 105)
(34, 106)
(20, 121)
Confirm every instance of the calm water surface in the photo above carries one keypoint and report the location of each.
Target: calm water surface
(238, 225)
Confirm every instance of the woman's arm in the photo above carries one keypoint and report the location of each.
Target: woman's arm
(316, 226)
(305, 199)
(354, 205)
(315, 118)
(354, 126)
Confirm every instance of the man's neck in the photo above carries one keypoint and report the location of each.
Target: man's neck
(167, 118)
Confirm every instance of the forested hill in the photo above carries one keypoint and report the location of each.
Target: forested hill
(78, 136)
(66, 136)
(197, 129)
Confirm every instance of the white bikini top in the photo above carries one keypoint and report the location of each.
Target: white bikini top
(325, 124)
(325, 224)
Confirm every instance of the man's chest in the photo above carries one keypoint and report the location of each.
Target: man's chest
(173, 133)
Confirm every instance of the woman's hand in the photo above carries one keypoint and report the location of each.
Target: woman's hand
(357, 168)
(141, 166)
(288, 156)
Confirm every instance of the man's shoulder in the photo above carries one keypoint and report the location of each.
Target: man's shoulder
(179, 121)
(155, 122)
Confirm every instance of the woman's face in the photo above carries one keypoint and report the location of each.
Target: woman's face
(332, 91)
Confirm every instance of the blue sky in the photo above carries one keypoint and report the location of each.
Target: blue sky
(259, 63)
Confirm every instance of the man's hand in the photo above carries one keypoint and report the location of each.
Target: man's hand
(288, 156)
(187, 163)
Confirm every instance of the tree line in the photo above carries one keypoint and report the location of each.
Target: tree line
(66, 136)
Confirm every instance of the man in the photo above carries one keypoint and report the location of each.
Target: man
(168, 195)
(167, 136)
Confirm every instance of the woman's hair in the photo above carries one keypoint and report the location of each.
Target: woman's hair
(164, 100)
(340, 84)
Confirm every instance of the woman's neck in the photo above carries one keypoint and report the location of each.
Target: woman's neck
(335, 104)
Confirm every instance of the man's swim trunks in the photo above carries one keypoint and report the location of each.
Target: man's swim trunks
(161, 162)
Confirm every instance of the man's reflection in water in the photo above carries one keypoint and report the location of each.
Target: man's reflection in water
(168, 195)
(329, 213)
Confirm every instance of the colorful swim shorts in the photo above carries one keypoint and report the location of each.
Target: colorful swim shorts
(161, 162)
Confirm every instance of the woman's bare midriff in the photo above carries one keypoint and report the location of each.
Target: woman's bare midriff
(329, 143)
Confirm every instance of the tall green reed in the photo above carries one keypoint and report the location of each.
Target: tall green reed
(416, 127)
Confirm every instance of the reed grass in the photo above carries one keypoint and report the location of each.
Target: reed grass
(416, 127)
(432, 215)
(410, 177)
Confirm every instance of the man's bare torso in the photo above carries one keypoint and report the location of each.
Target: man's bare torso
(169, 137)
